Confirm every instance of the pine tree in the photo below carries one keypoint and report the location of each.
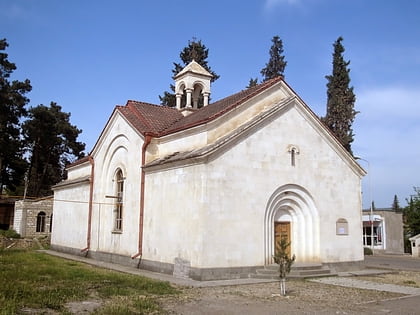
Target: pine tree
(285, 262)
(197, 51)
(51, 142)
(276, 65)
(12, 109)
(340, 99)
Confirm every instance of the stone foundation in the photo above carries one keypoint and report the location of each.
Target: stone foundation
(182, 268)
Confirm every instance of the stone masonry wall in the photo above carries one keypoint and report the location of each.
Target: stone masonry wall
(30, 210)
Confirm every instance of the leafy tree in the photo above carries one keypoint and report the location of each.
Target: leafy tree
(51, 142)
(252, 82)
(276, 65)
(197, 51)
(12, 109)
(396, 204)
(340, 99)
(412, 214)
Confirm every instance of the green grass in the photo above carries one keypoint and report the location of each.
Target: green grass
(35, 280)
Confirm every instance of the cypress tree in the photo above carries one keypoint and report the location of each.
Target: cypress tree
(340, 99)
(252, 82)
(197, 51)
(276, 65)
(396, 204)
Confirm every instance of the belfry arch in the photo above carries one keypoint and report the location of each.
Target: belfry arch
(192, 86)
(294, 204)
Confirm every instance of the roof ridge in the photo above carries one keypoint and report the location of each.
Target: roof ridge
(145, 103)
(131, 107)
(257, 89)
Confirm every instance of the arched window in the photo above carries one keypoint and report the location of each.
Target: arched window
(293, 150)
(40, 222)
(119, 193)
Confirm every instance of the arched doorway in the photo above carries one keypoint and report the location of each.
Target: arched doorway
(291, 210)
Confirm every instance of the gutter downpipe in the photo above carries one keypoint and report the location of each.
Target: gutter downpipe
(147, 140)
(89, 231)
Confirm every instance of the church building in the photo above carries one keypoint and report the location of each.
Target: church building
(205, 189)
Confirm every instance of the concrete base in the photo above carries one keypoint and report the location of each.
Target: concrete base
(183, 271)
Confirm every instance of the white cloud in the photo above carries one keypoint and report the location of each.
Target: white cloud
(387, 135)
(389, 103)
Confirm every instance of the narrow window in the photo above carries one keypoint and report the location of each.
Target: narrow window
(40, 222)
(119, 201)
(294, 151)
(293, 157)
(51, 223)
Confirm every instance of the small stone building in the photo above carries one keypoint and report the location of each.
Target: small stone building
(388, 232)
(33, 218)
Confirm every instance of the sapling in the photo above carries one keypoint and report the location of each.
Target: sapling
(284, 261)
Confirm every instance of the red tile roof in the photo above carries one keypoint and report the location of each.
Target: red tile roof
(157, 120)
(162, 120)
(149, 118)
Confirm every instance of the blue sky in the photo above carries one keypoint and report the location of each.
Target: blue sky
(89, 56)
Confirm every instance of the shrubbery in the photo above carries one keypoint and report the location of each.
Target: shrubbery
(367, 251)
(9, 233)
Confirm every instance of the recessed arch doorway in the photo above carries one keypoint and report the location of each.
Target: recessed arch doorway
(291, 209)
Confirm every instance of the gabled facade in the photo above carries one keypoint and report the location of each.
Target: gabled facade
(205, 191)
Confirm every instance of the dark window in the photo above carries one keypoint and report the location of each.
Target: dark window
(51, 223)
(40, 222)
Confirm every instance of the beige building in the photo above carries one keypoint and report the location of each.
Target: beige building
(204, 190)
(388, 230)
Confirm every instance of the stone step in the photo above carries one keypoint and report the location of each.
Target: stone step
(298, 271)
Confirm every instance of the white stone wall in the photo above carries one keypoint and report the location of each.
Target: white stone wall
(213, 214)
(174, 226)
(242, 180)
(197, 137)
(79, 171)
(70, 219)
(120, 148)
(18, 220)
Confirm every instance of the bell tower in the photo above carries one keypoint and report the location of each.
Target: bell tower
(192, 87)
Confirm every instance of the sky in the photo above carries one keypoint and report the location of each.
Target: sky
(89, 56)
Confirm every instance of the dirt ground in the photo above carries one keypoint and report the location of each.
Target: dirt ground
(303, 297)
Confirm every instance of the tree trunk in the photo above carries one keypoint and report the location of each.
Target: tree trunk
(283, 286)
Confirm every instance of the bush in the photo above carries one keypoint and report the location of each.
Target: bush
(367, 251)
(9, 233)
